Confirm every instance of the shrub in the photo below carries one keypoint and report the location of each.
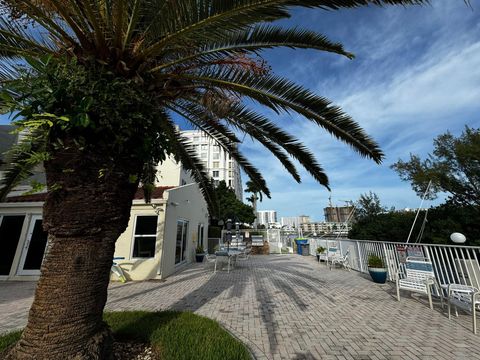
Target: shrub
(375, 261)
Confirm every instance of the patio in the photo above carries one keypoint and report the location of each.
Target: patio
(290, 307)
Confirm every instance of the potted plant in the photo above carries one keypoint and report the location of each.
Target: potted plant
(320, 250)
(199, 253)
(376, 268)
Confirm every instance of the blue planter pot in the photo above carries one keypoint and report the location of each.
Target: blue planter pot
(199, 257)
(379, 275)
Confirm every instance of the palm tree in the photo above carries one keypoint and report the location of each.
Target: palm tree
(256, 196)
(95, 83)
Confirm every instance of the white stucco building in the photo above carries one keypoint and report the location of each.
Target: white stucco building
(266, 217)
(219, 164)
(160, 239)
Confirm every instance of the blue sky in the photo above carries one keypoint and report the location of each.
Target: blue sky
(416, 75)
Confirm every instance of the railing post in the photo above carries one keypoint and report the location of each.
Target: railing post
(360, 257)
(385, 255)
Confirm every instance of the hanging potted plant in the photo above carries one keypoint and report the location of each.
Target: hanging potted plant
(377, 269)
(320, 251)
(199, 254)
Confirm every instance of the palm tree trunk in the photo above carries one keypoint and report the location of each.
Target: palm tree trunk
(84, 215)
(254, 203)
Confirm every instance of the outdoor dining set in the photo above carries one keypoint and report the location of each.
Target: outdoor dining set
(229, 256)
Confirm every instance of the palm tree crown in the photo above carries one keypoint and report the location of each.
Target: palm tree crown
(195, 58)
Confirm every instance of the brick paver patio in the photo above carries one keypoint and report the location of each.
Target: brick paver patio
(290, 307)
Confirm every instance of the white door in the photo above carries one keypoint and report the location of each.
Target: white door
(34, 248)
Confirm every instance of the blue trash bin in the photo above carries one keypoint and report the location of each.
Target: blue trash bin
(299, 243)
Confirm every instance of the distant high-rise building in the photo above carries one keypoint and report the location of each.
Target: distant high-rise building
(303, 219)
(326, 228)
(338, 213)
(290, 222)
(265, 217)
(218, 163)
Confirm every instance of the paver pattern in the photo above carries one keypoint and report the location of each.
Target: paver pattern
(291, 307)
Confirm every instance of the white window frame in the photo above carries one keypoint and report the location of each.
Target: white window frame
(31, 225)
(133, 238)
(26, 218)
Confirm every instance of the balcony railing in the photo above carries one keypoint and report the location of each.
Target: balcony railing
(451, 263)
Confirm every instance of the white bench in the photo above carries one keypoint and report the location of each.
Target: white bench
(419, 277)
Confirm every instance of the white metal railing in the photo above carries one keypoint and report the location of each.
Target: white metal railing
(452, 264)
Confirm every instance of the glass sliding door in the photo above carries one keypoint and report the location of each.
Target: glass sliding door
(34, 248)
(181, 241)
(200, 235)
(10, 230)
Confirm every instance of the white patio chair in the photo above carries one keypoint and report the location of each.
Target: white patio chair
(243, 256)
(466, 298)
(419, 278)
(223, 257)
(341, 260)
(332, 252)
(210, 259)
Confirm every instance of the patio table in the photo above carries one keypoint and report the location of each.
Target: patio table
(230, 253)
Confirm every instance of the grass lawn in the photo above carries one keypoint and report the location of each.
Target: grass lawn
(172, 335)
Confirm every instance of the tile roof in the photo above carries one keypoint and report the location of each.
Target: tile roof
(157, 193)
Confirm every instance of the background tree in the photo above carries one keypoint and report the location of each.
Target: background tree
(256, 196)
(368, 205)
(95, 84)
(229, 207)
(454, 168)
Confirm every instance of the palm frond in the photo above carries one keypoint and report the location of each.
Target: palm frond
(259, 38)
(281, 94)
(225, 143)
(257, 125)
(20, 160)
(199, 112)
(185, 153)
(193, 19)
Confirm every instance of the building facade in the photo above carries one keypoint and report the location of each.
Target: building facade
(266, 217)
(326, 228)
(218, 163)
(159, 240)
(290, 222)
(338, 213)
(302, 219)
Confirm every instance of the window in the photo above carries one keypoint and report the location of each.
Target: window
(196, 138)
(216, 182)
(216, 174)
(10, 229)
(145, 236)
(204, 147)
(230, 183)
(216, 164)
(181, 244)
(216, 156)
(230, 165)
(230, 173)
(203, 155)
(216, 148)
(32, 257)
